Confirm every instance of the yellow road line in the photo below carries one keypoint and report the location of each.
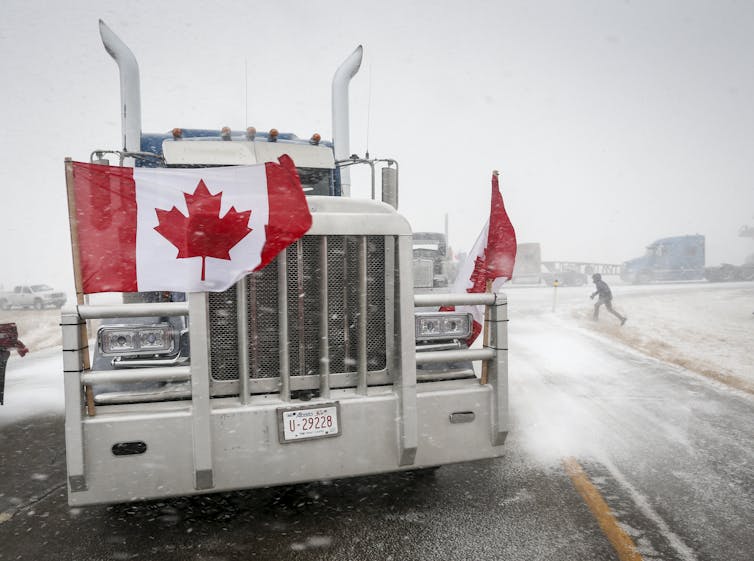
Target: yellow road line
(620, 540)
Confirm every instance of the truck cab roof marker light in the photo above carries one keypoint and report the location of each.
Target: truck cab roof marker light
(315, 139)
(225, 133)
(177, 133)
(251, 133)
(273, 135)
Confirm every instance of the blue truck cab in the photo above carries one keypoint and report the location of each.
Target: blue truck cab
(667, 259)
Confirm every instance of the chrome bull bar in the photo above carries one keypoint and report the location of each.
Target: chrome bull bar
(496, 327)
(74, 346)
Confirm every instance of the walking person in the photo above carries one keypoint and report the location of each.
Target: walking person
(605, 296)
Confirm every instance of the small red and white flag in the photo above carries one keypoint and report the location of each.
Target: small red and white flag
(491, 259)
(183, 230)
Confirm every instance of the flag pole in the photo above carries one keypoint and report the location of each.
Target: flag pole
(78, 282)
(486, 340)
(486, 336)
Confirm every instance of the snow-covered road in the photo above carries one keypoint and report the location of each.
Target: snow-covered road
(670, 449)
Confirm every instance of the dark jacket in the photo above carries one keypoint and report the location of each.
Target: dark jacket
(603, 290)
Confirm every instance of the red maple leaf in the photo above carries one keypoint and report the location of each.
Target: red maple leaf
(203, 233)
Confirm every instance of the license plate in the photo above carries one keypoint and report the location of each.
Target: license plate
(304, 423)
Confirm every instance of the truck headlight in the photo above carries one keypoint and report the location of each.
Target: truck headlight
(136, 339)
(442, 325)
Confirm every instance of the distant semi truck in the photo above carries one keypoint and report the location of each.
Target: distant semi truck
(667, 259)
(433, 265)
(528, 267)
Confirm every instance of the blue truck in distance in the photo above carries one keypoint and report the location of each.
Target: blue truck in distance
(667, 259)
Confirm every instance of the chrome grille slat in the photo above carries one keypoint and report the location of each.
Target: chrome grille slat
(285, 366)
(363, 313)
(243, 323)
(299, 298)
(324, 320)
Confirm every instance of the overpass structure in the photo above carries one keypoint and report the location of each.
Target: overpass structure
(582, 267)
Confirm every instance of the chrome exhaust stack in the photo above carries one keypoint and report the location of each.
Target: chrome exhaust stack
(130, 96)
(340, 124)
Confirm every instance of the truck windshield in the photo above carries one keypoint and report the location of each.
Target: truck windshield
(315, 181)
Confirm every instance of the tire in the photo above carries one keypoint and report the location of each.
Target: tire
(38, 304)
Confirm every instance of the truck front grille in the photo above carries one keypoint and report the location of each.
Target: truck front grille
(304, 280)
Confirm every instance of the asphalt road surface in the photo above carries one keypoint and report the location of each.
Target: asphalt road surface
(613, 455)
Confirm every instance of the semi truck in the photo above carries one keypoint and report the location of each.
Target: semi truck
(324, 364)
(677, 258)
(528, 267)
(434, 268)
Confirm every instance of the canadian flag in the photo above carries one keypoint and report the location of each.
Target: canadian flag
(183, 230)
(491, 259)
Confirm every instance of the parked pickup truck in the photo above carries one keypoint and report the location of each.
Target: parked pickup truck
(37, 296)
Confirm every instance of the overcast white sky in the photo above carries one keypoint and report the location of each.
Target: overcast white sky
(612, 122)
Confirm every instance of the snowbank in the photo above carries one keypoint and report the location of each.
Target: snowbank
(705, 327)
(38, 329)
(33, 385)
